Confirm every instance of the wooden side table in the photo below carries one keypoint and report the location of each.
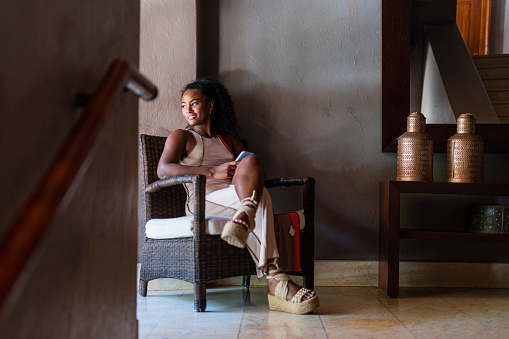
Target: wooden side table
(390, 232)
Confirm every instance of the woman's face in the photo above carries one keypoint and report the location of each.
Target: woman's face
(195, 107)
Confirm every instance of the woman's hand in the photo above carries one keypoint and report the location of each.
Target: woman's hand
(224, 171)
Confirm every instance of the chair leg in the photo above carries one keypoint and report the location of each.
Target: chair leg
(246, 281)
(200, 297)
(309, 281)
(143, 288)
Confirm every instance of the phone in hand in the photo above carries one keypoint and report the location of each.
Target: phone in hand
(242, 155)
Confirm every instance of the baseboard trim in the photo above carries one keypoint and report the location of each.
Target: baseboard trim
(365, 273)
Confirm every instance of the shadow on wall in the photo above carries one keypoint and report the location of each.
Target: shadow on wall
(295, 144)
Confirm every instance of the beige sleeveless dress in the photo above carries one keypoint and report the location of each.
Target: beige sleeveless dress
(221, 199)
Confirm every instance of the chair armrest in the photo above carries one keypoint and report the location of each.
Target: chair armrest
(287, 182)
(172, 181)
(198, 182)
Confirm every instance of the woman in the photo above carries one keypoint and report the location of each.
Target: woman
(209, 146)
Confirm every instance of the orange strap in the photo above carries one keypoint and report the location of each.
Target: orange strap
(225, 144)
(296, 241)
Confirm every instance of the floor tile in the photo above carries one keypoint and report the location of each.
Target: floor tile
(427, 314)
(359, 327)
(345, 312)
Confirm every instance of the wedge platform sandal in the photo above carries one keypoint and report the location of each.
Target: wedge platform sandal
(296, 305)
(236, 231)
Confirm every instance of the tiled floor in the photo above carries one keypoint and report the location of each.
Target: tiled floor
(345, 312)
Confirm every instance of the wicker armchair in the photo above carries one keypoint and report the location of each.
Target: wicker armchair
(203, 258)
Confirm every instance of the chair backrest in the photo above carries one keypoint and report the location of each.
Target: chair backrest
(168, 202)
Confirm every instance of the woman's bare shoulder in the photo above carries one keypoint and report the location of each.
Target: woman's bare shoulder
(180, 140)
(179, 135)
(180, 132)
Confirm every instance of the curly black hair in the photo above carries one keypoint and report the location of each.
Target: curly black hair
(222, 118)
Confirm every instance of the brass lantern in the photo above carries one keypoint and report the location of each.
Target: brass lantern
(415, 151)
(465, 153)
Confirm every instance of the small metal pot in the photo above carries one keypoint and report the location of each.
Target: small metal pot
(415, 151)
(465, 153)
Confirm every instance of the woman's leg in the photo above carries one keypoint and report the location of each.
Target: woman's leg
(249, 177)
(248, 181)
(261, 242)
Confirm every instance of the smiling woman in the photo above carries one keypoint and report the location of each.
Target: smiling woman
(195, 108)
(234, 189)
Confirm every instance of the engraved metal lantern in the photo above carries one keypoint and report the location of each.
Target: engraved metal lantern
(465, 153)
(415, 151)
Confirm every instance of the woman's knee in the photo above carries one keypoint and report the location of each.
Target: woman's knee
(251, 161)
(251, 164)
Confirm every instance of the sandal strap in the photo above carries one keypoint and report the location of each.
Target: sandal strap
(282, 286)
(281, 289)
(277, 273)
(236, 231)
(276, 270)
(297, 298)
(251, 200)
(242, 223)
(249, 207)
(279, 277)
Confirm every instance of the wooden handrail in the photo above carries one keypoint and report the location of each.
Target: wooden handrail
(27, 230)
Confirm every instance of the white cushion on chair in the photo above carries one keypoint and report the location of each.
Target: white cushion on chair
(182, 227)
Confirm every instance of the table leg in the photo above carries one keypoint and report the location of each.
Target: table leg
(388, 269)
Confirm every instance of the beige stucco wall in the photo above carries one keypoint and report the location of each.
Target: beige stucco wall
(168, 57)
(81, 281)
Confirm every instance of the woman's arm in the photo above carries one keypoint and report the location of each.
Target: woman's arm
(178, 143)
